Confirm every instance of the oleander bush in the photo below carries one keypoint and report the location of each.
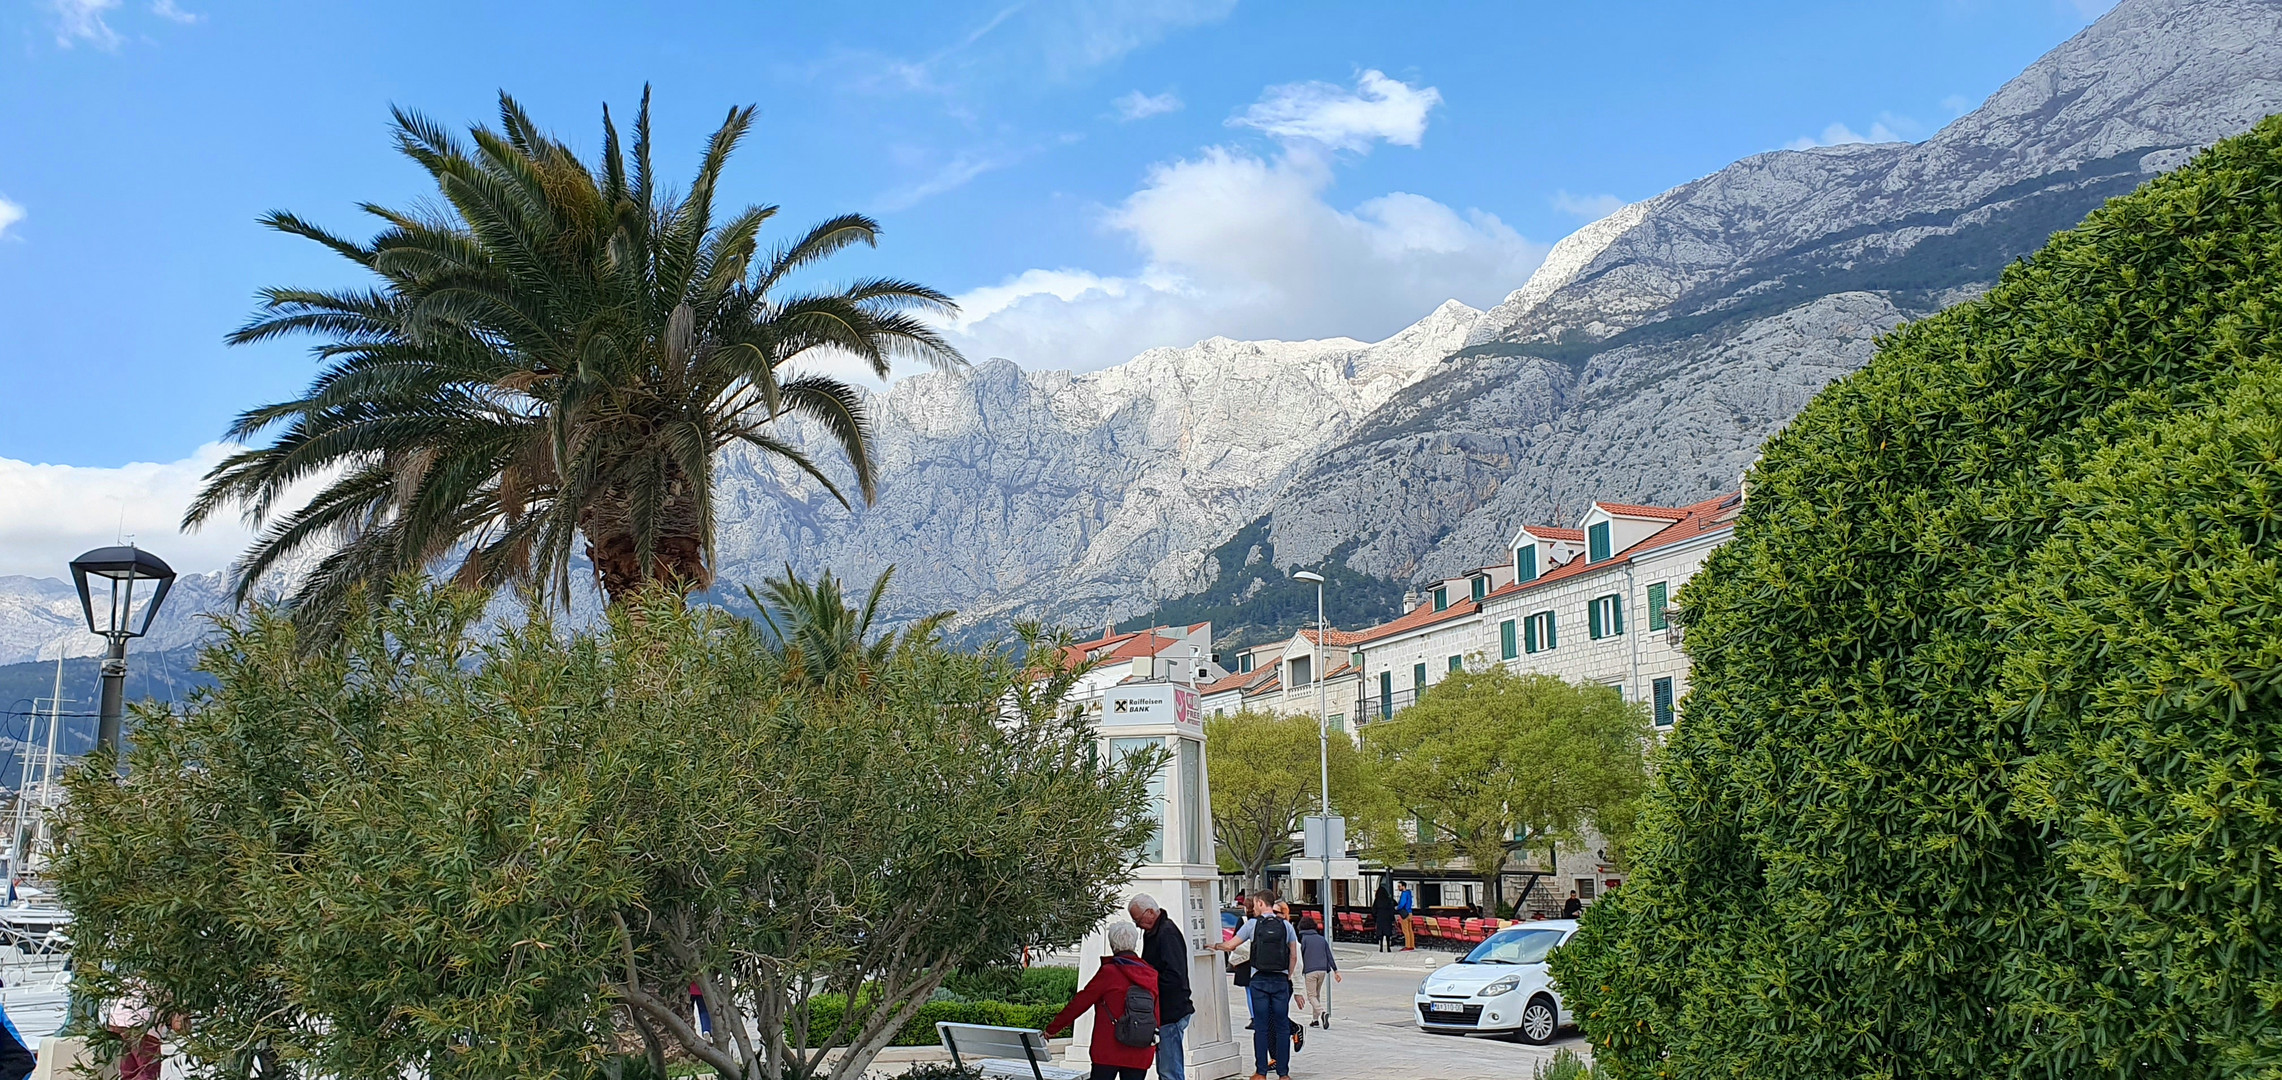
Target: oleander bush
(1981, 773)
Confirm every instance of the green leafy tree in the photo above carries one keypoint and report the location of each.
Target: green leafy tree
(1493, 762)
(408, 852)
(553, 351)
(1974, 779)
(1267, 775)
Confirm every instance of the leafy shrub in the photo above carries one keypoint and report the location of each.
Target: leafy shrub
(1975, 779)
(1029, 986)
(825, 1011)
(1563, 1065)
(940, 1070)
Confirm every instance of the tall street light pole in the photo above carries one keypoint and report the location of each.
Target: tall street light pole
(1322, 743)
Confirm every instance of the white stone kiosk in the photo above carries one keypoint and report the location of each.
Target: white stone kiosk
(1178, 868)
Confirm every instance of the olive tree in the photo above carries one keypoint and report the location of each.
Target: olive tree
(1493, 762)
(412, 848)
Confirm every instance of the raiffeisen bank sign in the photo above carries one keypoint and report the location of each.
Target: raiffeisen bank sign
(1151, 703)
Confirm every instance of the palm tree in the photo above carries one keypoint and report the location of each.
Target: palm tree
(552, 353)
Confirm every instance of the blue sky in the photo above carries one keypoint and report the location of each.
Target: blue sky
(1092, 179)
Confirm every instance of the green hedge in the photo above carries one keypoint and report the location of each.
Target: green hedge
(825, 1010)
(1981, 772)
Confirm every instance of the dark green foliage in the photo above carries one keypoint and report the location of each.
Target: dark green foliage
(1023, 986)
(1977, 775)
(940, 1070)
(1253, 600)
(920, 1029)
(404, 852)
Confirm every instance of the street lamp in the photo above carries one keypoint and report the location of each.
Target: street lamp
(122, 567)
(1322, 745)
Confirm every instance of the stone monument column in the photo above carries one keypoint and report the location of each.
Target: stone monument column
(1178, 866)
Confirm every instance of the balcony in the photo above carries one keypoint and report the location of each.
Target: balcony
(1381, 708)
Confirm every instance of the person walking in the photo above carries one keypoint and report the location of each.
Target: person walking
(1383, 915)
(1317, 962)
(1403, 907)
(1163, 948)
(1275, 967)
(1572, 907)
(1123, 1045)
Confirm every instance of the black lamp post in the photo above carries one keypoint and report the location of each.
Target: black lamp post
(122, 567)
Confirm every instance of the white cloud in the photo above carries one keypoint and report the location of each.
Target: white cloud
(82, 20)
(49, 513)
(1589, 207)
(1957, 104)
(2088, 10)
(950, 176)
(1840, 135)
(165, 9)
(1140, 106)
(10, 213)
(1246, 245)
(1321, 112)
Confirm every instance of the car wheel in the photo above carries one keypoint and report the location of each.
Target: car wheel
(1539, 1020)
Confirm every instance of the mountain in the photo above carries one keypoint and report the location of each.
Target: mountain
(39, 614)
(1645, 361)
(1654, 350)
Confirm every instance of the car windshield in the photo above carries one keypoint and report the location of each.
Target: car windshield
(1515, 947)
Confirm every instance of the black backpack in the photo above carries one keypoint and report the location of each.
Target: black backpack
(1271, 947)
(1138, 1026)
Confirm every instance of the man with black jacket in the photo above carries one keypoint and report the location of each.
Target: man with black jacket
(1164, 949)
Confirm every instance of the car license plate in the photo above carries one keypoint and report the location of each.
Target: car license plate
(1446, 1007)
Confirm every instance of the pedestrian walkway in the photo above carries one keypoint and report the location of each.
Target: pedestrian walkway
(1374, 1033)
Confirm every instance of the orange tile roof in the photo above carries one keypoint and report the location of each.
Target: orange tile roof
(1694, 519)
(1236, 680)
(1421, 616)
(1668, 513)
(1335, 636)
(1548, 532)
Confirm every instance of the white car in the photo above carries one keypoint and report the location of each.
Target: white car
(1501, 987)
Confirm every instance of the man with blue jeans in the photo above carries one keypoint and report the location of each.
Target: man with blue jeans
(1164, 949)
(1270, 991)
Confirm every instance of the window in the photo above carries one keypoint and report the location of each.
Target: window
(1154, 850)
(1441, 597)
(1339, 723)
(1656, 602)
(1506, 649)
(1386, 694)
(1244, 663)
(1596, 542)
(1538, 632)
(1303, 670)
(1663, 702)
(1418, 678)
(1425, 831)
(1192, 803)
(1355, 659)
(1457, 663)
(1481, 587)
(1604, 617)
(1585, 888)
(1525, 563)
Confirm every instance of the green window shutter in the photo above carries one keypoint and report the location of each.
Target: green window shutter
(1663, 702)
(1457, 663)
(1529, 642)
(1481, 587)
(1615, 615)
(1386, 694)
(1505, 640)
(1596, 543)
(1552, 629)
(1525, 563)
(1418, 678)
(1593, 620)
(1441, 598)
(1656, 601)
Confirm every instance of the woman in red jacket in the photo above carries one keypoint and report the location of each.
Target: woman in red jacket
(1105, 995)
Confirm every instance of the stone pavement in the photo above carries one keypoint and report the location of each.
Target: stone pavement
(1374, 1035)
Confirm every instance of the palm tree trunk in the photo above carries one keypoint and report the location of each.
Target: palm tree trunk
(677, 555)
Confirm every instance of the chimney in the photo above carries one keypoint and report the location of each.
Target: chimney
(1410, 601)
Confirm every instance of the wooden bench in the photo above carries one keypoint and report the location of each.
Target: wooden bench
(1018, 1053)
